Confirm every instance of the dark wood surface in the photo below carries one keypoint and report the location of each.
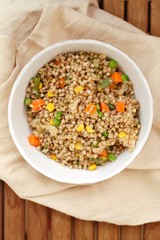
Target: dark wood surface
(24, 220)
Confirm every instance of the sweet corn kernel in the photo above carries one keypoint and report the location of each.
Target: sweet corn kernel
(78, 146)
(92, 167)
(50, 94)
(51, 122)
(40, 85)
(54, 157)
(89, 129)
(78, 89)
(80, 128)
(122, 135)
(50, 107)
(104, 158)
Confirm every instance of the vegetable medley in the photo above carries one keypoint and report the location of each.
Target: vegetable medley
(82, 110)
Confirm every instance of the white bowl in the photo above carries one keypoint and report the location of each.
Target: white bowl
(20, 130)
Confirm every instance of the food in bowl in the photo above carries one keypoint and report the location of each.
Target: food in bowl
(82, 110)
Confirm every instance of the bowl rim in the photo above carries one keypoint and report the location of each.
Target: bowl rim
(20, 76)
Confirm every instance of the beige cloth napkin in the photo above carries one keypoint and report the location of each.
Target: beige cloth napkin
(26, 27)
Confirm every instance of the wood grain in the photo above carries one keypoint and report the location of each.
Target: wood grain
(108, 231)
(83, 230)
(1, 209)
(37, 222)
(14, 215)
(60, 226)
(155, 17)
(131, 232)
(114, 7)
(152, 231)
(137, 13)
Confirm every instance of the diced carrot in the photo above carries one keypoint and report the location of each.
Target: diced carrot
(103, 153)
(112, 86)
(116, 77)
(120, 106)
(90, 109)
(33, 140)
(62, 82)
(36, 104)
(104, 107)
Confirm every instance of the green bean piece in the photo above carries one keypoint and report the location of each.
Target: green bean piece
(138, 122)
(112, 157)
(36, 82)
(58, 115)
(95, 145)
(68, 78)
(113, 63)
(96, 160)
(105, 83)
(105, 134)
(27, 101)
(35, 89)
(111, 147)
(57, 122)
(46, 146)
(96, 63)
(97, 107)
(125, 78)
(100, 114)
(37, 93)
(111, 106)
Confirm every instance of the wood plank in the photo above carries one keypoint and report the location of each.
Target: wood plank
(131, 232)
(1, 209)
(111, 7)
(14, 215)
(152, 231)
(37, 222)
(155, 17)
(60, 226)
(137, 13)
(108, 231)
(83, 230)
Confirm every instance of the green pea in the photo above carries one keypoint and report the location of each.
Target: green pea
(57, 122)
(96, 63)
(113, 63)
(100, 114)
(58, 115)
(105, 83)
(112, 157)
(27, 101)
(97, 107)
(111, 106)
(125, 78)
(105, 134)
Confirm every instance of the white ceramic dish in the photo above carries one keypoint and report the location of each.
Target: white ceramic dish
(20, 130)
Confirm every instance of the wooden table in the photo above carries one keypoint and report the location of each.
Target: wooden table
(21, 219)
